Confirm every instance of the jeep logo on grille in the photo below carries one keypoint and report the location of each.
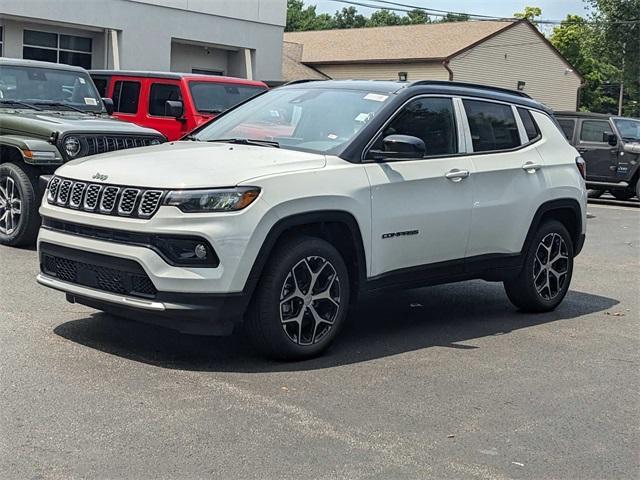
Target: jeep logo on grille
(99, 176)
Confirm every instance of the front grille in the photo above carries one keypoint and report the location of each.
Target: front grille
(125, 277)
(104, 199)
(110, 143)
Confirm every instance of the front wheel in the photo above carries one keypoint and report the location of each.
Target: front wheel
(301, 300)
(546, 274)
(19, 220)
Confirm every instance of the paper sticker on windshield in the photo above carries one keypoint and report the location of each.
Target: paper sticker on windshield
(363, 117)
(90, 101)
(376, 97)
(81, 80)
(332, 136)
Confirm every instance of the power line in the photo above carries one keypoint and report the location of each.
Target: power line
(397, 7)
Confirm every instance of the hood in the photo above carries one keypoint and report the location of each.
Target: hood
(45, 123)
(189, 165)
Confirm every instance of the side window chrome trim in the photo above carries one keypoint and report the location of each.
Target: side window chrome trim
(372, 141)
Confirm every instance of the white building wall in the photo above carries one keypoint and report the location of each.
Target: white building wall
(519, 54)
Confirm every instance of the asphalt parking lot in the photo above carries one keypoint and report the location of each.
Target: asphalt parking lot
(443, 382)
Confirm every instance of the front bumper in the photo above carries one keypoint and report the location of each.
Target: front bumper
(193, 313)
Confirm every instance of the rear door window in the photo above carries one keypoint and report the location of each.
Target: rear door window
(160, 93)
(125, 96)
(101, 84)
(568, 127)
(595, 131)
(493, 126)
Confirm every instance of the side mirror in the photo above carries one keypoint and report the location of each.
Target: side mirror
(402, 146)
(108, 105)
(173, 108)
(611, 139)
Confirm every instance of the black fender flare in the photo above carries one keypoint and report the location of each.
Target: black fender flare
(298, 220)
(557, 204)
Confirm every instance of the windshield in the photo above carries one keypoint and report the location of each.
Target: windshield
(42, 86)
(210, 97)
(629, 129)
(309, 119)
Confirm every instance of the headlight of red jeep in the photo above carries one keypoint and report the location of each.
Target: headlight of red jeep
(212, 200)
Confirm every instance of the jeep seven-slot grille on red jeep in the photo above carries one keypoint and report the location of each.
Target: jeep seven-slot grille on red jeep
(104, 199)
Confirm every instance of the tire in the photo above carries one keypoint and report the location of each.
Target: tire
(592, 193)
(623, 194)
(19, 198)
(537, 289)
(638, 189)
(300, 326)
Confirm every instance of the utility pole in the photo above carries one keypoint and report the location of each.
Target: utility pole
(624, 49)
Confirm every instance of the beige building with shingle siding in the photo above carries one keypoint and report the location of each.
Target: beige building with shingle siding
(505, 54)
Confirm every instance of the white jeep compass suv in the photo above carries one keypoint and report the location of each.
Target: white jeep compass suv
(278, 213)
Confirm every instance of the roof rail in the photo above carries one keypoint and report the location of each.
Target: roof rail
(303, 80)
(470, 85)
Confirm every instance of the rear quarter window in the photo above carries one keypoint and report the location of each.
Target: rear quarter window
(530, 125)
(568, 126)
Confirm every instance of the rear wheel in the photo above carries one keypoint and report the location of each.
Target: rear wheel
(301, 301)
(548, 266)
(592, 193)
(19, 220)
(623, 194)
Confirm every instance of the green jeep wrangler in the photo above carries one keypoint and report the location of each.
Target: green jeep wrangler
(50, 114)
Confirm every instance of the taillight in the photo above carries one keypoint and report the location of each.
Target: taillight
(582, 167)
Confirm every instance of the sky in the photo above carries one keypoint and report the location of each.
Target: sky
(551, 9)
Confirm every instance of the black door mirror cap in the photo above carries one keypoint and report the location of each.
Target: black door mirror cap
(108, 105)
(403, 146)
(173, 108)
(612, 139)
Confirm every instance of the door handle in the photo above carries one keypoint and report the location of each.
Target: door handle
(456, 175)
(531, 167)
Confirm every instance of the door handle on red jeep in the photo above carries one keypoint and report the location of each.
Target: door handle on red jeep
(456, 175)
(531, 167)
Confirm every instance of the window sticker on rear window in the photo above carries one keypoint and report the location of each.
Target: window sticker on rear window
(90, 101)
(376, 97)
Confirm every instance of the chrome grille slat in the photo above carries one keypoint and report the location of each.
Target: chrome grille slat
(63, 192)
(116, 200)
(128, 200)
(91, 197)
(149, 203)
(77, 192)
(108, 199)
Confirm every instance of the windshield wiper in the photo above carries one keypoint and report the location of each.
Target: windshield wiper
(248, 141)
(17, 102)
(61, 104)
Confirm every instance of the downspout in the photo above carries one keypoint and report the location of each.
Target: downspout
(445, 64)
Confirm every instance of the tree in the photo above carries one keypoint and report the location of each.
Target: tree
(454, 17)
(417, 17)
(383, 18)
(530, 13)
(618, 31)
(349, 17)
(577, 41)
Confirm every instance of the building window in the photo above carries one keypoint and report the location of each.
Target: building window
(493, 126)
(125, 97)
(202, 71)
(55, 48)
(160, 93)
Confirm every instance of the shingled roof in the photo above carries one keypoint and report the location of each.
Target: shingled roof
(425, 42)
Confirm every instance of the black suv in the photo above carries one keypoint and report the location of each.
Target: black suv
(610, 145)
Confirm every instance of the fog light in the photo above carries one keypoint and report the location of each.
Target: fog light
(201, 251)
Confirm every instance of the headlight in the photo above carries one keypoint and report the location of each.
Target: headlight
(72, 146)
(214, 200)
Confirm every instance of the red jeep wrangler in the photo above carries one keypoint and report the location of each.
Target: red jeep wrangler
(172, 103)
